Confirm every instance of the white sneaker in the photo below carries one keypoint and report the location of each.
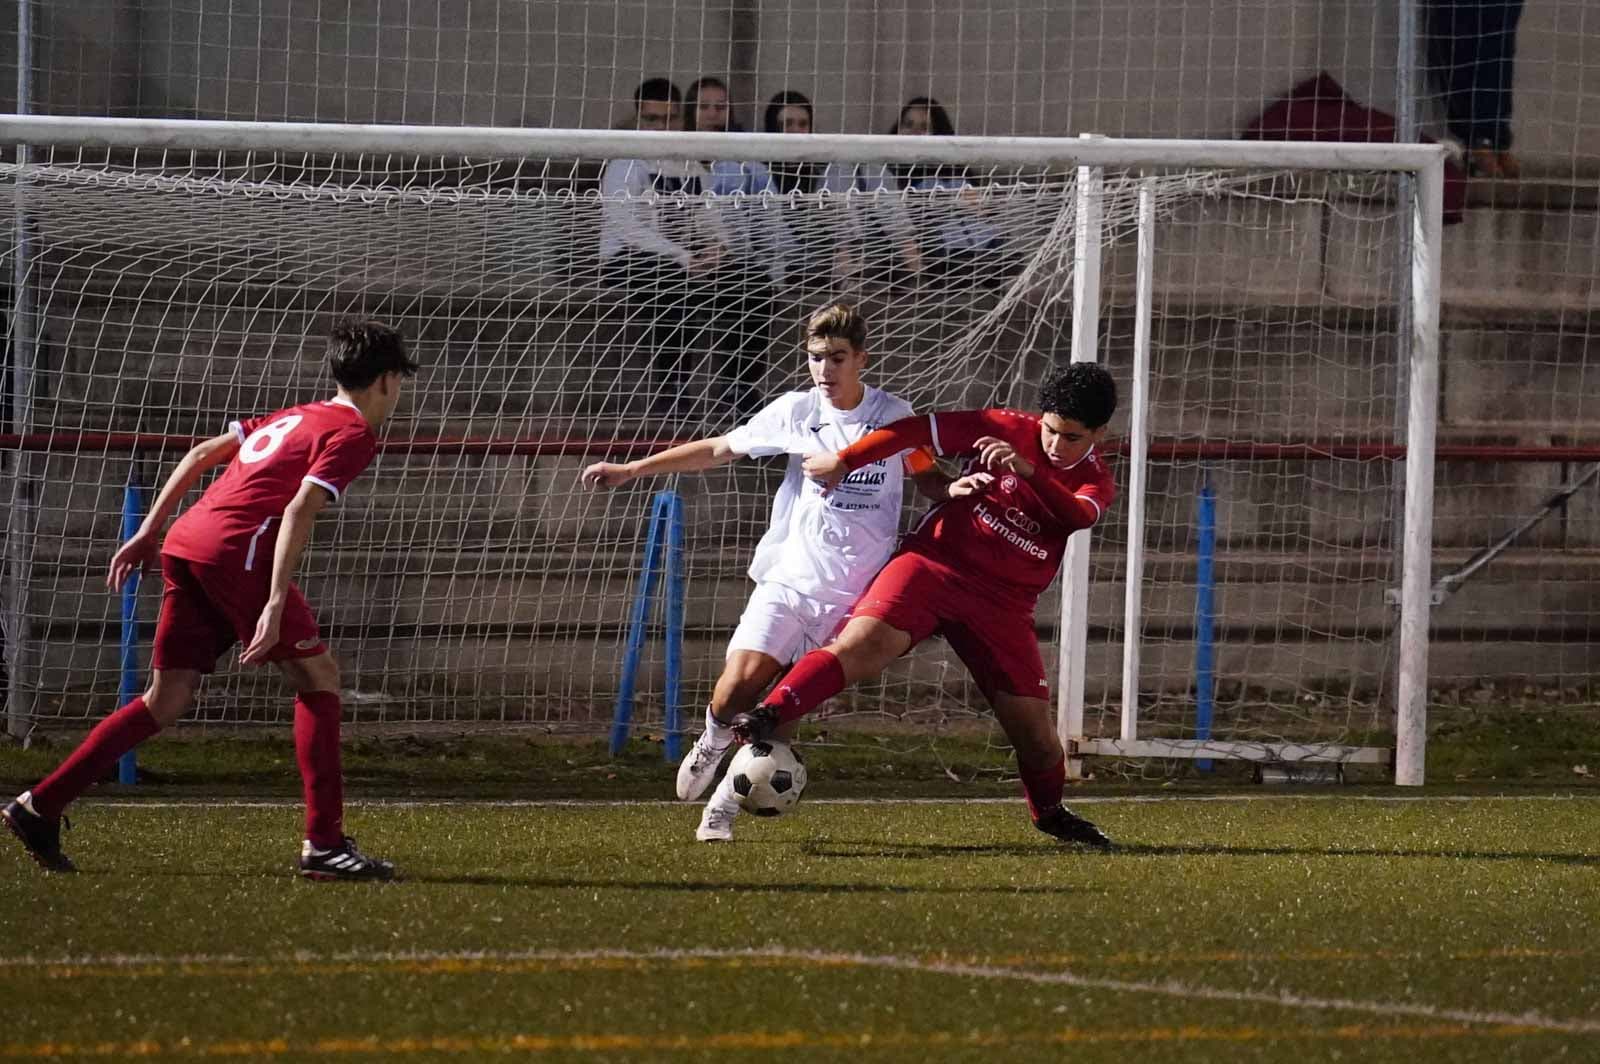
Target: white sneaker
(699, 766)
(716, 820)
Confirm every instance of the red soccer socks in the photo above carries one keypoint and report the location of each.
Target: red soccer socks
(89, 763)
(813, 680)
(1044, 787)
(316, 749)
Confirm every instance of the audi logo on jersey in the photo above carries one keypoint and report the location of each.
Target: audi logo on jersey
(1022, 521)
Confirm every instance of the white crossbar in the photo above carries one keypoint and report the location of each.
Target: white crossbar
(513, 142)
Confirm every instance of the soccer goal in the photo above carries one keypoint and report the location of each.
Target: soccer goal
(1270, 310)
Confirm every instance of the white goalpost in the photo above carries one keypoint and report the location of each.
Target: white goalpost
(1407, 756)
(178, 273)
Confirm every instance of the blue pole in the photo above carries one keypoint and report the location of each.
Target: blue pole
(1205, 618)
(132, 517)
(622, 718)
(674, 730)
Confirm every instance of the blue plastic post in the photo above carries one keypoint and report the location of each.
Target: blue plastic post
(622, 718)
(132, 517)
(674, 730)
(1205, 619)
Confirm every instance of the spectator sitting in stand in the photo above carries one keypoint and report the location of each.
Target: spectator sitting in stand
(652, 254)
(738, 299)
(1472, 48)
(947, 201)
(813, 235)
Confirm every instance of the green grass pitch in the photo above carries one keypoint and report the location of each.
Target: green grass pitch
(1314, 926)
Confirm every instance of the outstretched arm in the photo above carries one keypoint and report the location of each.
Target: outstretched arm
(952, 432)
(684, 458)
(897, 436)
(144, 544)
(298, 517)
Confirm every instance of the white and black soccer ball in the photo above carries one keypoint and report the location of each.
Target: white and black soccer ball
(768, 777)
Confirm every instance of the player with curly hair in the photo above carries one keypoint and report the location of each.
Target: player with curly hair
(973, 569)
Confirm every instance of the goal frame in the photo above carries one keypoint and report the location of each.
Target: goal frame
(1090, 155)
(1408, 756)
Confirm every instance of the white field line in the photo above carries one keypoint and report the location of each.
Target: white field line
(599, 803)
(1164, 988)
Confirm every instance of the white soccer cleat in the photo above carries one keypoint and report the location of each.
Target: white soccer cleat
(716, 820)
(699, 766)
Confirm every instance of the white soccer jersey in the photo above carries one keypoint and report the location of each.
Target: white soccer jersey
(826, 546)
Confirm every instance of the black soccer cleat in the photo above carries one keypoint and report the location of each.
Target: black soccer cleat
(41, 835)
(756, 726)
(344, 861)
(1069, 827)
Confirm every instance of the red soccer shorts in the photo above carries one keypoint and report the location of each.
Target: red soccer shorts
(205, 609)
(993, 637)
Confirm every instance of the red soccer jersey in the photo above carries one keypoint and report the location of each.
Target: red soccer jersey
(236, 521)
(1012, 534)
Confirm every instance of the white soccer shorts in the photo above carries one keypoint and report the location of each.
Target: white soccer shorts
(784, 624)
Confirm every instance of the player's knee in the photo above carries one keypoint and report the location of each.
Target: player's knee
(167, 710)
(889, 643)
(864, 650)
(167, 699)
(874, 634)
(320, 673)
(322, 679)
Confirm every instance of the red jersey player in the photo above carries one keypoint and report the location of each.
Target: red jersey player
(228, 567)
(974, 568)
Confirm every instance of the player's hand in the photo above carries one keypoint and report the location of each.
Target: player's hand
(970, 484)
(911, 257)
(266, 637)
(606, 475)
(138, 553)
(997, 454)
(826, 468)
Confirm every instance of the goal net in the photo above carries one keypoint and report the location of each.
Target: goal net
(569, 305)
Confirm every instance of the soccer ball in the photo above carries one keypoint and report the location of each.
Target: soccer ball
(768, 778)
